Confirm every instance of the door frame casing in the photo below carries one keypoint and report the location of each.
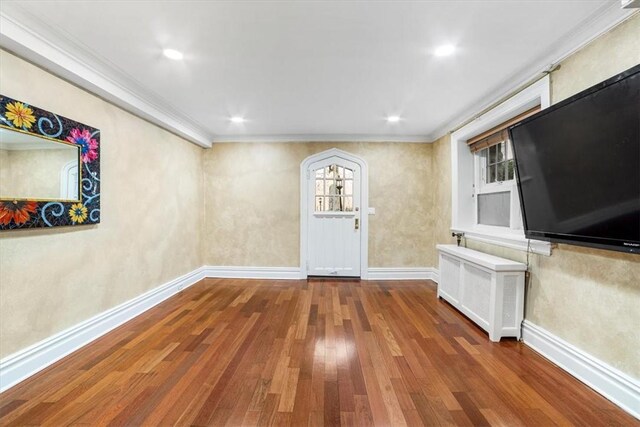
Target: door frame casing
(364, 208)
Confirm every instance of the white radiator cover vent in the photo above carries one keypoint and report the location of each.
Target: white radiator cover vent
(486, 288)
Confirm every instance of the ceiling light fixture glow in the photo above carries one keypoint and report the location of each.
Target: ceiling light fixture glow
(237, 119)
(445, 50)
(173, 54)
(393, 119)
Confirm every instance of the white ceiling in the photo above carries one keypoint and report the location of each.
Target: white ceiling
(310, 70)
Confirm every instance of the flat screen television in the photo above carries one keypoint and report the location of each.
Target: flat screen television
(578, 167)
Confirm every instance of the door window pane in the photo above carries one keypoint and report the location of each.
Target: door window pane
(348, 204)
(328, 171)
(329, 188)
(334, 183)
(348, 187)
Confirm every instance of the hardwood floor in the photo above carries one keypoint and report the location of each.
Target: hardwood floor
(255, 352)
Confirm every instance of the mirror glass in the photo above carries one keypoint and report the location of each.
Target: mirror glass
(37, 168)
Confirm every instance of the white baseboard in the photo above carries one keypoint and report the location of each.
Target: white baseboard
(293, 273)
(232, 272)
(614, 385)
(23, 364)
(404, 273)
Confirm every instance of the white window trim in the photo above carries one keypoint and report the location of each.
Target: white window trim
(463, 172)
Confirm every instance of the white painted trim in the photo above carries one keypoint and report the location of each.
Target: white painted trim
(294, 273)
(519, 243)
(600, 22)
(403, 273)
(463, 175)
(616, 386)
(37, 42)
(422, 139)
(239, 272)
(482, 259)
(23, 364)
(364, 207)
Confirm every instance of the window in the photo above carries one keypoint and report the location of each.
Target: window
(496, 189)
(334, 189)
(485, 202)
(497, 163)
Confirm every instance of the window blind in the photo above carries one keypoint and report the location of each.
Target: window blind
(498, 133)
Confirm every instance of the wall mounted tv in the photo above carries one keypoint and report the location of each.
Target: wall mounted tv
(578, 167)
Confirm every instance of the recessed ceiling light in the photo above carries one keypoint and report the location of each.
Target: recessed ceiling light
(444, 50)
(393, 119)
(173, 54)
(237, 119)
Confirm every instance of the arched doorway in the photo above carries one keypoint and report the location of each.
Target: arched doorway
(333, 215)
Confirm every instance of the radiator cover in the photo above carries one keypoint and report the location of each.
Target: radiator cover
(487, 289)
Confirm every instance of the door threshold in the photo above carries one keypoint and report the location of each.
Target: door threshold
(332, 278)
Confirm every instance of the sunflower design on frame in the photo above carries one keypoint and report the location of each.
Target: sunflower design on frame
(20, 115)
(18, 211)
(78, 213)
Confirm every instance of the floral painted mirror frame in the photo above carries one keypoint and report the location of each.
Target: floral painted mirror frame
(26, 214)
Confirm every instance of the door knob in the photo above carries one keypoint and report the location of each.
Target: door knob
(357, 223)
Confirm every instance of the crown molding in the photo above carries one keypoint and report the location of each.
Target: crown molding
(221, 139)
(608, 16)
(52, 50)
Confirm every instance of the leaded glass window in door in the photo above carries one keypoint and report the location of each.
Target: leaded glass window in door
(334, 189)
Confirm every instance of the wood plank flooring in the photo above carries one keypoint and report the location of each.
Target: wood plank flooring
(296, 353)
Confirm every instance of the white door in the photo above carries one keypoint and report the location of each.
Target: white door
(334, 208)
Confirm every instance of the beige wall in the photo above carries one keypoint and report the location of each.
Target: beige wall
(441, 162)
(588, 297)
(151, 219)
(252, 203)
(33, 173)
(5, 173)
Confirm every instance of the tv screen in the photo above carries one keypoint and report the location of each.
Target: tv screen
(578, 167)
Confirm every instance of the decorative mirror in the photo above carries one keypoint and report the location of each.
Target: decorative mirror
(49, 169)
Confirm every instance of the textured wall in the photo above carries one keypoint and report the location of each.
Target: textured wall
(606, 56)
(33, 173)
(151, 219)
(252, 203)
(441, 163)
(5, 173)
(588, 297)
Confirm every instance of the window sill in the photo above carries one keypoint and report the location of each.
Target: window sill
(506, 239)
